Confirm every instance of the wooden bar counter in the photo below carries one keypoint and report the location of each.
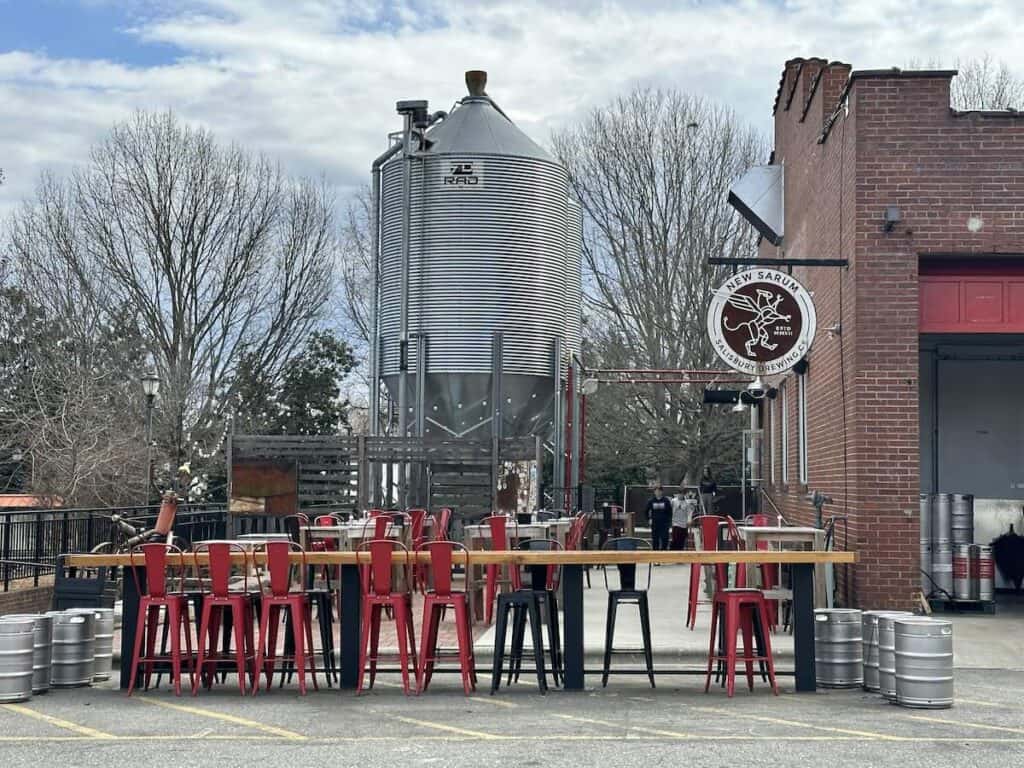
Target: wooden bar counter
(801, 563)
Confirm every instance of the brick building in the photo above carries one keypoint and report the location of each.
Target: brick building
(911, 383)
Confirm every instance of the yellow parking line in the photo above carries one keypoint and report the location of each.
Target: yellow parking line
(638, 728)
(225, 717)
(494, 701)
(978, 703)
(446, 728)
(800, 724)
(965, 724)
(536, 738)
(58, 722)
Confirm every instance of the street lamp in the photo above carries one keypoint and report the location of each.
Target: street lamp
(150, 388)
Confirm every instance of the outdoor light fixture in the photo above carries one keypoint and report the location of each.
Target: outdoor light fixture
(151, 385)
(892, 217)
(738, 408)
(150, 388)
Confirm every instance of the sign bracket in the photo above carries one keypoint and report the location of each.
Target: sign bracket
(776, 262)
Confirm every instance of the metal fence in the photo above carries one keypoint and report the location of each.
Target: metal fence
(31, 541)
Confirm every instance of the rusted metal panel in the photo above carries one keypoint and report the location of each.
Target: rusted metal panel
(264, 487)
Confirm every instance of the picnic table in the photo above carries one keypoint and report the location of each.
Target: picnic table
(572, 563)
(349, 536)
(789, 536)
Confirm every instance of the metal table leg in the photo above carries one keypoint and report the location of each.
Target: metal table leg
(351, 604)
(129, 618)
(803, 626)
(572, 658)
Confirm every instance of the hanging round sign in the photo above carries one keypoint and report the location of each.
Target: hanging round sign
(761, 322)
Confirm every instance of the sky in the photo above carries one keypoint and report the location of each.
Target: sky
(313, 83)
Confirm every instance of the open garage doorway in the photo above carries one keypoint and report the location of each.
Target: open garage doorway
(972, 430)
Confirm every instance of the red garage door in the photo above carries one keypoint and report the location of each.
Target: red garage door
(971, 298)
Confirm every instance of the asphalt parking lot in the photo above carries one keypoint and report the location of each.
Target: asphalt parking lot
(627, 724)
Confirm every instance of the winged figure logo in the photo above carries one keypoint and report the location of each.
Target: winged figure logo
(765, 311)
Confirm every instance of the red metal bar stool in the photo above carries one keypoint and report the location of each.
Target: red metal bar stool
(320, 597)
(769, 572)
(418, 519)
(154, 597)
(377, 525)
(323, 545)
(740, 610)
(299, 613)
(709, 543)
(380, 591)
(497, 575)
(736, 544)
(440, 530)
(380, 526)
(295, 525)
(224, 603)
(574, 539)
(434, 603)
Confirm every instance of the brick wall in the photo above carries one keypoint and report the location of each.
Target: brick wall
(30, 600)
(959, 183)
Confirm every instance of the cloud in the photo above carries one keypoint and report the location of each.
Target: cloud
(314, 82)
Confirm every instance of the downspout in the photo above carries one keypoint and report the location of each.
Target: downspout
(375, 171)
(373, 477)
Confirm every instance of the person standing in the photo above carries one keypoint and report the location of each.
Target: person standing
(659, 512)
(708, 491)
(684, 509)
(680, 519)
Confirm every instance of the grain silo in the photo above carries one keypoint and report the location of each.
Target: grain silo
(478, 263)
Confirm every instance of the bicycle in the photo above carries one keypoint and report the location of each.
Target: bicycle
(133, 536)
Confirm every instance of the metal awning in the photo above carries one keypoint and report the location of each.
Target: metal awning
(758, 196)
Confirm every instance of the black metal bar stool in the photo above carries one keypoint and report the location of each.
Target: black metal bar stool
(627, 594)
(522, 603)
(323, 601)
(538, 604)
(544, 583)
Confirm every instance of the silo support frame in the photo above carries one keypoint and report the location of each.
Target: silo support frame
(568, 439)
(418, 472)
(538, 448)
(557, 433)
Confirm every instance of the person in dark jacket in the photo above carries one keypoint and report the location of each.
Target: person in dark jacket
(708, 492)
(659, 512)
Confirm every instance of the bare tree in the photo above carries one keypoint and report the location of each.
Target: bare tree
(70, 422)
(216, 252)
(357, 266)
(72, 444)
(981, 84)
(652, 171)
(985, 84)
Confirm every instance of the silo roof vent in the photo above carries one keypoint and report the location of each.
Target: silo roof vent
(477, 126)
(476, 82)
